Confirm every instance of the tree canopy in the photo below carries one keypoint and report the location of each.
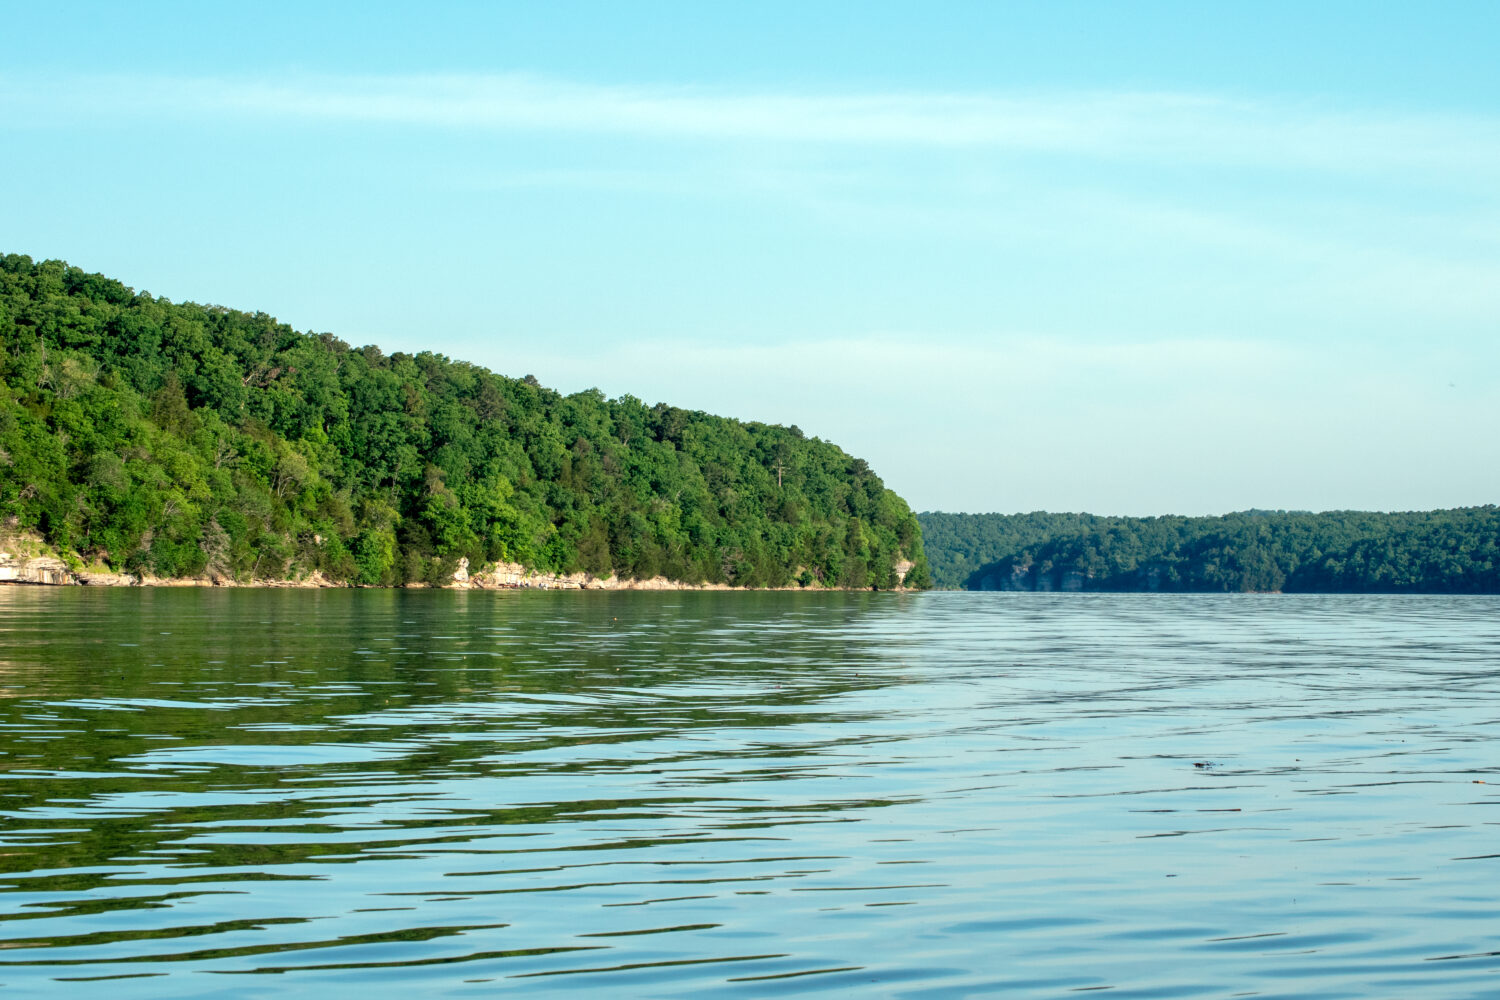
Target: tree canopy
(183, 439)
(1442, 551)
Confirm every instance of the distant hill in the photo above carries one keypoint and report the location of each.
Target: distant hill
(189, 440)
(1441, 551)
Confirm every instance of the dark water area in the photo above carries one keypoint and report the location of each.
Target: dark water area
(287, 793)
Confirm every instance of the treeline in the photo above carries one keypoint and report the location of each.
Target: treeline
(1442, 551)
(181, 440)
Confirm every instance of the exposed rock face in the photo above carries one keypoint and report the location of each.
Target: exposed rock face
(30, 562)
(516, 576)
(37, 569)
(25, 559)
(92, 579)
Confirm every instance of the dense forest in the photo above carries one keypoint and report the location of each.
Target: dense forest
(186, 440)
(1443, 551)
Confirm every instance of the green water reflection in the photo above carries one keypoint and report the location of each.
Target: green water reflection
(690, 793)
(163, 745)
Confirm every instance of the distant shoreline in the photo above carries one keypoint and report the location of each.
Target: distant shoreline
(1453, 551)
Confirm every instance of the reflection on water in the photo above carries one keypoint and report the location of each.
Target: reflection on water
(209, 792)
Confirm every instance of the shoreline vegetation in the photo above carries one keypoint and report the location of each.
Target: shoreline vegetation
(143, 440)
(1256, 551)
(26, 561)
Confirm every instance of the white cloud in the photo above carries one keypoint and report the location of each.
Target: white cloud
(1155, 127)
(1196, 237)
(1022, 422)
(858, 364)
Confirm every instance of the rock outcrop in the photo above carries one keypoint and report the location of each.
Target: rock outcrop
(24, 558)
(514, 576)
(34, 569)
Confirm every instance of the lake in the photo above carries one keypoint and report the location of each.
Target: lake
(219, 793)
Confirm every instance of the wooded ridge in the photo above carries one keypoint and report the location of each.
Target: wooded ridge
(184, 440)
(1441, 551)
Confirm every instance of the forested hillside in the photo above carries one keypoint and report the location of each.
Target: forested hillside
(183, 440)
(1443, 551)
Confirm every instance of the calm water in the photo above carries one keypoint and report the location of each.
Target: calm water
(453, 794)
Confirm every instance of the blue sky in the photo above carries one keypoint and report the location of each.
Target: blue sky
(1126, 258)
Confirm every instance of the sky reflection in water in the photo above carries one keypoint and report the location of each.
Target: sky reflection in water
(739, 794)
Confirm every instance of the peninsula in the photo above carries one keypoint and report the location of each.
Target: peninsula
(147, 440)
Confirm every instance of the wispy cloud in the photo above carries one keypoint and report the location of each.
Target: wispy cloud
(1211, 423)
(944, 369)
(1148, 126)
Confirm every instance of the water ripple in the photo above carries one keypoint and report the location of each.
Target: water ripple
(687, 794)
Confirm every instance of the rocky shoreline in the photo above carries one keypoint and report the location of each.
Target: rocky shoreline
(46, 569)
